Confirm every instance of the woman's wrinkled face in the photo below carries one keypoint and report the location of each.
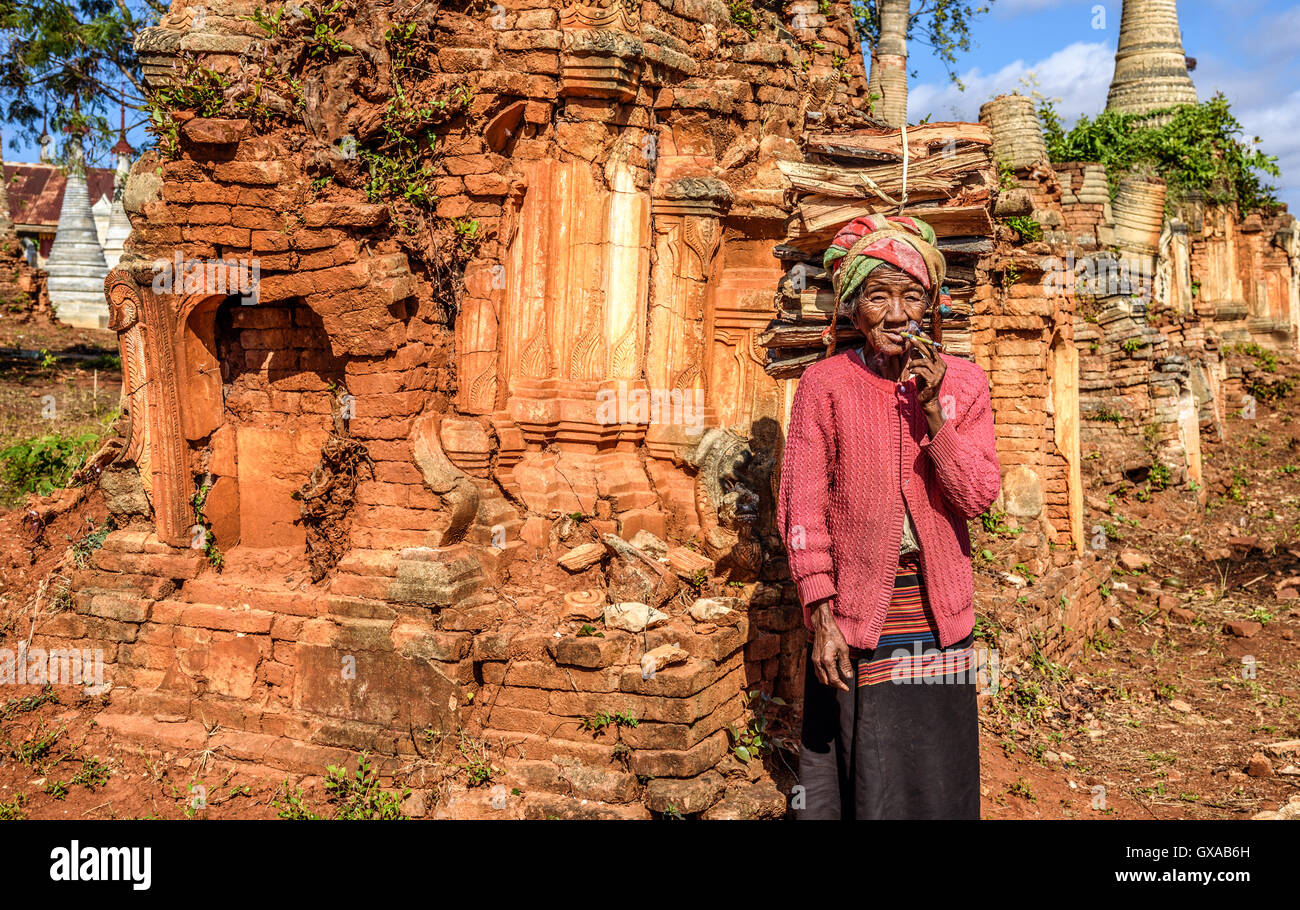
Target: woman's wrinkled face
(890, 299)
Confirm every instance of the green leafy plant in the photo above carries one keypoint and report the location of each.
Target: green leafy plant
(322, 25)
(1270, 392)
(92, 541)
(1265, 359)
(34, 750)
(1029, 230)
(358, 796)
(289, 804)
(27, 703)
(478, 769)
(742, 15)
(42, 464)
(194, 88)
(12, 810)
(754, 740)
(93, 774)
(210, 549)
(598, 722)
(1198, 150)
(994, 522)
(1160, 475)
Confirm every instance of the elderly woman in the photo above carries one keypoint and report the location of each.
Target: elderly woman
(889, 452)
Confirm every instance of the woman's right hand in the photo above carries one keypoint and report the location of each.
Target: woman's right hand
(830, 652)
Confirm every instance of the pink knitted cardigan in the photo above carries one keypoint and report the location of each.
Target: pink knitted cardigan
(857, 445)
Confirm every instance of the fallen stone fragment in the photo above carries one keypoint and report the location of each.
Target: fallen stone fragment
(1180, 706)
(635, 575)
(1259, 766)
(683, 797)
(749, 804)
(1133, 561)
(663, 656)
(1283, 813)
(1284, 748)
(711, 609)
(1182, 614)
(631, 616)
(1242, 628)
(585, 605)
(688, 564)
(650, 544)
(1288, 588)
(582, 557)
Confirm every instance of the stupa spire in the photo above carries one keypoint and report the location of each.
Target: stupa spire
(76, 266)
(1150, 66)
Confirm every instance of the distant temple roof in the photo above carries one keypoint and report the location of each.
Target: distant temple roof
(36, 191)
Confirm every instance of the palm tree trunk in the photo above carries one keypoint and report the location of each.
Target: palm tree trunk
(889, 62)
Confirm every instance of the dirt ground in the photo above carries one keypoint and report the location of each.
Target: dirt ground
(1187, 706)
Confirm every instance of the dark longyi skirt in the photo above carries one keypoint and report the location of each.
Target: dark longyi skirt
(904, 743)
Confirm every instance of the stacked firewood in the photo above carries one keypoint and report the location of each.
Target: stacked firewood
(948, 180)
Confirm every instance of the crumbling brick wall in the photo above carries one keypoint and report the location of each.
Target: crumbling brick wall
(395, 197)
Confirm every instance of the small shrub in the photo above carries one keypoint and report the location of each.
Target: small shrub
(358, 796)
(289, 804)
(1030, 231)
(93, 774)
(42, 464)
(12, 810)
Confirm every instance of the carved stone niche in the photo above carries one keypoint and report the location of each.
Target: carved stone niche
(688, 235)
(601, 56)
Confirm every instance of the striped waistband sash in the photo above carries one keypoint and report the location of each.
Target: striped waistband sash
(908, 650)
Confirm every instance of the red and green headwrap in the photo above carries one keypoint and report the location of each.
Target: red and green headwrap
(873, 240)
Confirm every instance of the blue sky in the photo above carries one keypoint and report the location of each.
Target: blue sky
(1248, 49)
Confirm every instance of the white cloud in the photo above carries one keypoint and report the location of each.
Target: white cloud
(1078, 74)
(1280, 34)
(1278, 127)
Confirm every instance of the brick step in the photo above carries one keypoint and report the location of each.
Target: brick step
(258, 592)
(108, 603)
(139, 585)
(135, 541)
(174, 564)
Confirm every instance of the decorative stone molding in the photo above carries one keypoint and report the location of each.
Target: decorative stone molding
(147, 324)
(601, 55)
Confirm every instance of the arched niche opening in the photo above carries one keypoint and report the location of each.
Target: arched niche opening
(260, 385)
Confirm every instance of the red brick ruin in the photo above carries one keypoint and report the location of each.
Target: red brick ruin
(458, 347)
